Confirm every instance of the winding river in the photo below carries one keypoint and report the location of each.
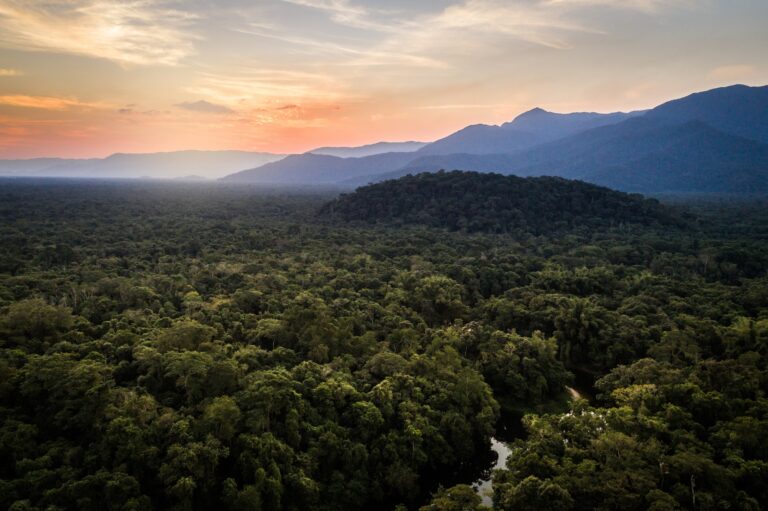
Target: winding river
(483, 486)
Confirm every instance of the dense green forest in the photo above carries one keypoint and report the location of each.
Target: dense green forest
(199, 346)
(492, 203)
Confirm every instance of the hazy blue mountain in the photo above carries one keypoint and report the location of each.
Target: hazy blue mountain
(192, 177)
(169, 165)
(370, 149)
(698, 159)
(572, 157)
(653, 155)
(549, 126)
(526, 130)
(311, 168)
(640, 155)
(710, 141)
(30, 167)
(738, 110)
(481, 139)
(583, 154)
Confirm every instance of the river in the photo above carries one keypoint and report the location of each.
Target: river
(483, 486)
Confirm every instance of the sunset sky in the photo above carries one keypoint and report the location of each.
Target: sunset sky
(82, 78)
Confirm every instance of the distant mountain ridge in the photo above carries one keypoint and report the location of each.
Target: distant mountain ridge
(480, 139)
(644, 155)
(737, 110)
(688, 145)
(551, 126)
(709, 141)
(166, 165)
(713, 141)
(369, 149)
(309, 168)
(527, 130)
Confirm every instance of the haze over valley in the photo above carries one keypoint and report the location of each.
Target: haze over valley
(711, 141)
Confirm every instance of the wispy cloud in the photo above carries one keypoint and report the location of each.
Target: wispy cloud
(475, 27)
(734, 72)
(259, 85)
(541, 22)
(308, 115)
(649, 6)
(205, 107)
(346, 13)
(10, 72)
(529, 22)
(131, 31)
(365, 55)
(46, 102)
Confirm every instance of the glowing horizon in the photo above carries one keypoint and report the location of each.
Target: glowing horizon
(89, 78)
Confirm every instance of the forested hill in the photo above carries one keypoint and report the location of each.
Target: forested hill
(481, 202)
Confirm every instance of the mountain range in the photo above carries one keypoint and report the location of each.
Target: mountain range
(168, 165)
(713, 141)
(197, 165)
(369, 149)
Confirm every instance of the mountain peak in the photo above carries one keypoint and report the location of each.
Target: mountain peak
(534, 112)
(738, 110)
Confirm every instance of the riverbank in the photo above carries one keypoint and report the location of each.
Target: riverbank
(484, 485)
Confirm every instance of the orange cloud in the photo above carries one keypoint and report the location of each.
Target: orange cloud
(10, 72)
(45, 102)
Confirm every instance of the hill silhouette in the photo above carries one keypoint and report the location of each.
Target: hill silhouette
(487, 202)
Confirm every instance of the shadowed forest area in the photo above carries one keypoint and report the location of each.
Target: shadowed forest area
(213, 346)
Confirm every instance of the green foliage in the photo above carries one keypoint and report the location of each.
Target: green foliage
(211, 347)
(33, 325)
(486, 202)
(457, 498)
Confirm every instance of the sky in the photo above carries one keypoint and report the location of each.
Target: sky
(88, 78)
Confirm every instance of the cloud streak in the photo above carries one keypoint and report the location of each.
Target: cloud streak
(734, 72)
(528, 22)
(366, 55)
(649, 6)
(205, 107)
(344, 12)
(258, 86)
(46, 102)
(129, 32)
